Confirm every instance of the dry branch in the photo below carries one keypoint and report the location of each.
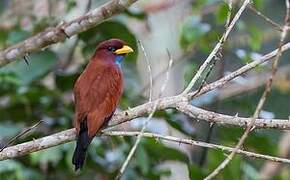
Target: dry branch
(197, 143)
(64, 30)
(176, 102)
(253, 82)
(270, 169)
(251, 125)
(231, 76)
(265, 18)
(42, 143)
(69, 135)
(217, 48)
(38, 144)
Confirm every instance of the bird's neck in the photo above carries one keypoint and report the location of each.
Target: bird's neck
(118, 60)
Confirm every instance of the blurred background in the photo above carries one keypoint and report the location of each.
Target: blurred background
(188, 29)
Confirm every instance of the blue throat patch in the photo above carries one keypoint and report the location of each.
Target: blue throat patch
(118, 60)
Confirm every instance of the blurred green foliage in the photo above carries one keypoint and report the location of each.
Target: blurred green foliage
(40, 92)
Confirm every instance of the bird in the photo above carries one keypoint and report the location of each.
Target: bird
(97, 93)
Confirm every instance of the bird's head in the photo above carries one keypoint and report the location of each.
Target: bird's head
(113, 49)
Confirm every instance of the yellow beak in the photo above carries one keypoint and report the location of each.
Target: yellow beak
(124, 50)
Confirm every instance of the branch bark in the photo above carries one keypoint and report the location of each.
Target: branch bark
(181, 103)
(63, 31)
(45, 142)
(69, 135)
(253, 83)
(197, 143)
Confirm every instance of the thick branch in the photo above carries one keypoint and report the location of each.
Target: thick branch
(48, 141)
(69, 135)
(59, 33)
(179, 102)
(38, 144)
(231, 120)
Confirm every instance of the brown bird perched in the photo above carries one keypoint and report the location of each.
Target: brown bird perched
(97, 92)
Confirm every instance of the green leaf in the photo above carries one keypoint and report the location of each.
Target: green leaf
(70, 4)
(9, 165)
(198, 5)
(196, 172)
(41, 24)
(3, 5)
(156, 151)
(258, 140)
(16, 36)
(11, 169)
(39, 64)
(52, 155)
(9, 81)
(136, 14)
(256, 38)
(249, 171)
(192, 31)
(66, 82)
(232, 171)
(189, 72)
(9, 129)
(3, 37)
(143, 160)
(222, 13)
(259, 4)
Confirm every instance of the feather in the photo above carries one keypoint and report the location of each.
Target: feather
(97, 92)
(83, 142)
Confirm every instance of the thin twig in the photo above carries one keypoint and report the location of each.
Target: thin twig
(270, 169)
(70, 55)
(196, 143)
(216, 48)
(176, 61)
(218, 54)
(15, 138)
(139, 137)
(149, 70)
(254, 82)
(217, 57)
(268, 20)
(240, 71)
(262, 100)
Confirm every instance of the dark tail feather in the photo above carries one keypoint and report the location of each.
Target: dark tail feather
(82, 143)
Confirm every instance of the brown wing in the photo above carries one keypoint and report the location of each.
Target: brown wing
(97, 93)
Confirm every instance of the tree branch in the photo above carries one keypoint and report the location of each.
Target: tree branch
(253, 83)
(217, 48)
(242, 70)
(262, 100)
(196, 143)
(64, 30)
(172, 102)
(69, 135)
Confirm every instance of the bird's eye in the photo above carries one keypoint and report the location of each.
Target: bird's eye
(110, 48)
